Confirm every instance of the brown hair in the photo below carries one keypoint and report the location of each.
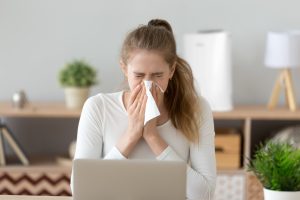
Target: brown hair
(181, 99)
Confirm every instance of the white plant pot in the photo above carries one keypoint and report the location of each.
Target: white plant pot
(281, 195)
(75, 97)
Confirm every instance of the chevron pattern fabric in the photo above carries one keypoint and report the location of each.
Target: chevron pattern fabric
(35, 183)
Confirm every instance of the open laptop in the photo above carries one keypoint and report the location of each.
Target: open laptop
(129, 180)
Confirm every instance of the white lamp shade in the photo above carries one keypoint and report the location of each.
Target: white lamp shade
(283, 49)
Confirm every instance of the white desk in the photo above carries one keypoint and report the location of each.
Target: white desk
(23, 197)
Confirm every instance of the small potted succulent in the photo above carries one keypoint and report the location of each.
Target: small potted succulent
(77, 77)
(277, 167)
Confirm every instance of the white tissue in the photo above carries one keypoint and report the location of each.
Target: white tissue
(151, 107)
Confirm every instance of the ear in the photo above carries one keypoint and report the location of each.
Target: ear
(173, 67)
(123, 68)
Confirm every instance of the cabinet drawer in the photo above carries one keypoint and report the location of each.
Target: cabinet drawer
(227, 141)
(228, 146)
(227, 160)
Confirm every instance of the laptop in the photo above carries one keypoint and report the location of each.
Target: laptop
(129, 180)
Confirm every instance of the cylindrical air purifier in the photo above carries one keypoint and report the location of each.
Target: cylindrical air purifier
(209, 55)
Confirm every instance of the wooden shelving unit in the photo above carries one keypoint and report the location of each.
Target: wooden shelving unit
(245, 118)
(248, 114)
(249, 119)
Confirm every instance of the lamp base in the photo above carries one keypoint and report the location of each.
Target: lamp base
(284, 81)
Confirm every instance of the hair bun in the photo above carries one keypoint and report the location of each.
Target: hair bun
(160, 23)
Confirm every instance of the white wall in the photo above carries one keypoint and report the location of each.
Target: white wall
(38, 37)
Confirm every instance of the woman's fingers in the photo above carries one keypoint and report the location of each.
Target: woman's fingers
(140, 99)
(134, 94)
(143, 106)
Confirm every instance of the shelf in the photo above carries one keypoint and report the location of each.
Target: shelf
(39, 109)
(258, 113)
(231, 171)
(38, 164)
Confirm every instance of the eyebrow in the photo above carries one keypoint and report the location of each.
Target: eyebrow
(156, 73)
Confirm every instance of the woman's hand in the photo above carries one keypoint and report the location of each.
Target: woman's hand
(136, 113)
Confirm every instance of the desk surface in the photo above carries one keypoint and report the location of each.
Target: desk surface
(39, 109)
(23, 197)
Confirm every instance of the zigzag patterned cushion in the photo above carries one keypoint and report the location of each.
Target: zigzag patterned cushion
(35, 182)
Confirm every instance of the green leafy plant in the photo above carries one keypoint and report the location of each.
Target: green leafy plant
(78, 73)
(277, 166)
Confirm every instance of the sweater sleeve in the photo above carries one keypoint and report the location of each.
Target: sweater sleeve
(89, 142)
(201, 173)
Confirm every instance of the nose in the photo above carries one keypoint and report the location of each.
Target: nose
(148, 79)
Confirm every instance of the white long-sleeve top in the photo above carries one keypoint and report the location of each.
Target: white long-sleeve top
(104, 119)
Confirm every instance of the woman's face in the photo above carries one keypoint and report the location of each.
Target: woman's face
(147, 65)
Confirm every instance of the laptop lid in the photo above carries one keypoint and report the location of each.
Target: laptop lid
(129, 180)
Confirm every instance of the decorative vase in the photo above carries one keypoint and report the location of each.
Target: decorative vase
(281, 195)
(75, 97)
(19, 99)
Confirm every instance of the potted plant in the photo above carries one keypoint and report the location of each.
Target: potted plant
(277, 167)
(77, 77)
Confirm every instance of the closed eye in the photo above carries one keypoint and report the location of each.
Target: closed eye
(139, 75)
(159, 74)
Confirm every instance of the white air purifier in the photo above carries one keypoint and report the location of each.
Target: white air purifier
(209, 55)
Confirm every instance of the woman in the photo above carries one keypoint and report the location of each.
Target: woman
(112, 125)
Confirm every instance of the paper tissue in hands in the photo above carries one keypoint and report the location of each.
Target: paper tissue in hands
(151, 107)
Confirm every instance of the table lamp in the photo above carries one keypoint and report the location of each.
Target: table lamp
(283, 52)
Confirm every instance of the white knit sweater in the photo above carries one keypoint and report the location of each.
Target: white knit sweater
(104, 119)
